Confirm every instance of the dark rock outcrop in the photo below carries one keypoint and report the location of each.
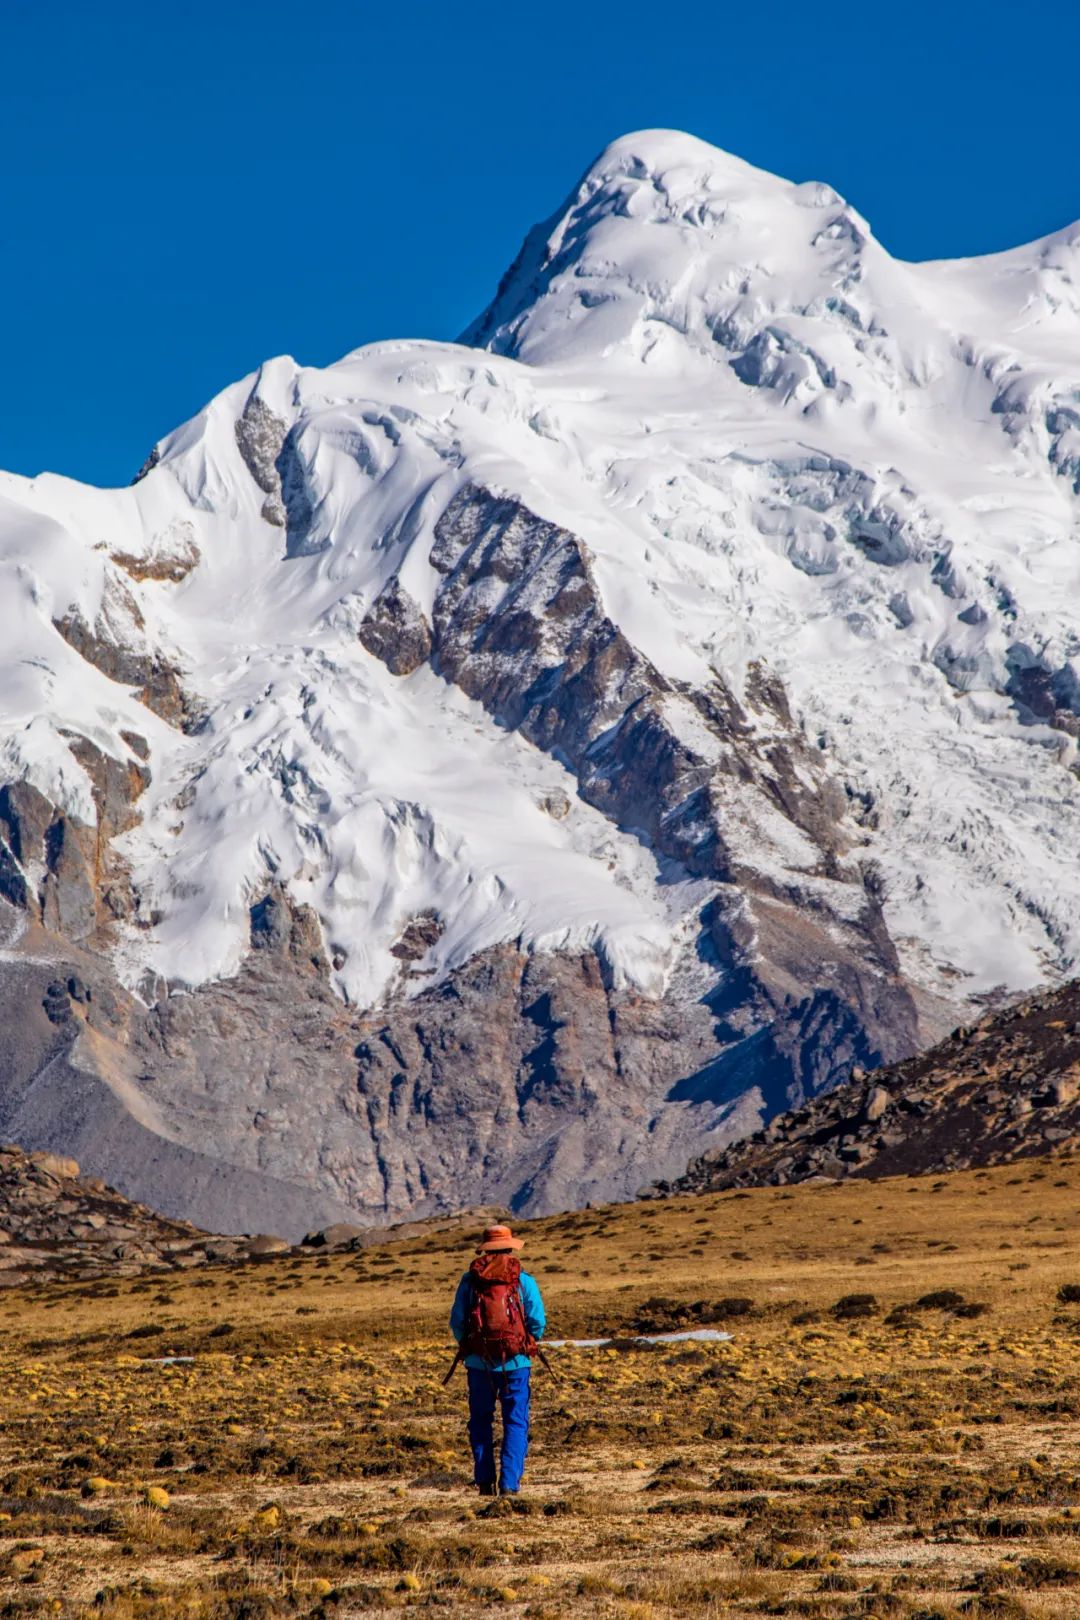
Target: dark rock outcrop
(13, 885)
(148, 465)
(280, 925)
(395, 631)
(68, 900)
(259, 438)
(272, 456)
(26, 816)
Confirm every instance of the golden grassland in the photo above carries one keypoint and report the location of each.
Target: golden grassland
(842, 1456)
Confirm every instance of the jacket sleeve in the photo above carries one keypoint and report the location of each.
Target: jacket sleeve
(459, 1315)
(535, 1317)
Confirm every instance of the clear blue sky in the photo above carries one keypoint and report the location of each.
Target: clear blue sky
(192, 187)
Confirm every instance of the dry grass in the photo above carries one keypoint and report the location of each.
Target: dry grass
(868, 1445)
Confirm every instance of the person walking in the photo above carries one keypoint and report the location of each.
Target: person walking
(498, 1320)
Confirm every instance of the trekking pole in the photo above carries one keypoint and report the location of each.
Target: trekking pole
(453, 1368)
(540, 1354)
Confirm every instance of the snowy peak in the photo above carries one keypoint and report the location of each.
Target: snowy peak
(678, 682)
(666, 229)
(674, 256)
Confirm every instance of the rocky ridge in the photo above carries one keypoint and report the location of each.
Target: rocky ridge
(1004, 1088)
(57, 1225)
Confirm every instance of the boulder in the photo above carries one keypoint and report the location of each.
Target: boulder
(266, 1243)
(225, 1248)
(54, 1165)
(876, 1104)
(333, 1237)
(57, 1003)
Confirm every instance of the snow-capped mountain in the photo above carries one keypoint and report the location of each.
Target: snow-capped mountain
(504, 769)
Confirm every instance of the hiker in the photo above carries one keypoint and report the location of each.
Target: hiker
(497, 1320)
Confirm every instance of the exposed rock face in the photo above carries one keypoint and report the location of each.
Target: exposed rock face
(68, 904)
(272, 456)
(287, 929)
(1043, 694)
(172, 559)
(27, 816)
(395, 630)
(520, 1074)
(1006, 1088)
(148, 465)
(520, 626)
(417, 937)
(13, 887)
(86, 1070)
(259, 437)
(528, 1077)
(115, 645)
(61, 870)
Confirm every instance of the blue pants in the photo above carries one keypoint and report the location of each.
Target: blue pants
(511, 1389)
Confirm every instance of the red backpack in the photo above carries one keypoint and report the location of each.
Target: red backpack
(495, 1327)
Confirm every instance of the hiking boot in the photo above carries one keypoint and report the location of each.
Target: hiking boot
(508, 1490)
(488, 1490)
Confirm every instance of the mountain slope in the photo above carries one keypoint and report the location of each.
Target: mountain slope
(54, 1225)
(1005, 1088)
(605, 730)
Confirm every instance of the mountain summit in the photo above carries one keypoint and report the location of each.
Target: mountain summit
(532, 761)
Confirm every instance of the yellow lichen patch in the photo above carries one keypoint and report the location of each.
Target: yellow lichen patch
(25, 1558)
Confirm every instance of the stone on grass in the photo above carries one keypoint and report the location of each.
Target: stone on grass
(267, 1243)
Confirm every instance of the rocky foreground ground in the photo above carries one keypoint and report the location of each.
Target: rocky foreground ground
(1003, 1089)
(891, 1432)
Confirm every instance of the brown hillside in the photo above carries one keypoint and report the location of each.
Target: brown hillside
(1005, 1088)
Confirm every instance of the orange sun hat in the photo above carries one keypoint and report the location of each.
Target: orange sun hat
(499, 1237)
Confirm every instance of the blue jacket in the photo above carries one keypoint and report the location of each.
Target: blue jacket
(535, 1320)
